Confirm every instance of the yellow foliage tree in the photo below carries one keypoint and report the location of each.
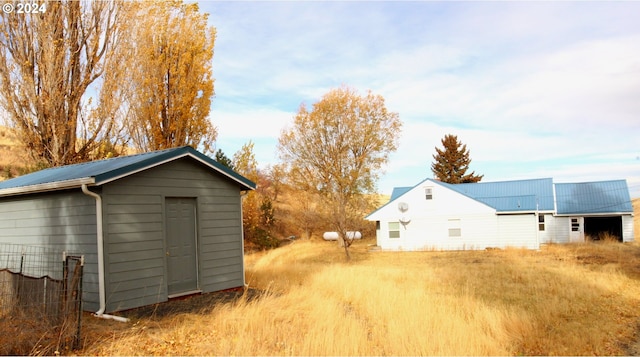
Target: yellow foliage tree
(50, 65)
(171, 82)
(257, 207)
(337, 150)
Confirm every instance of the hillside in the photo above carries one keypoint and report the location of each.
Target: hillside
(12, 155)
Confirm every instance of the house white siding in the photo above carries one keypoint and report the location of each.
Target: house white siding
(524, 214)
(517, 230)
(429, 220)
(627, 228)
(561, 229)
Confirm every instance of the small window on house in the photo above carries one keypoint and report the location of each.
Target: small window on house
(575, 225)
(454, 228)
(541, 222)
(394, 229)
(428, 193)
(377, 225)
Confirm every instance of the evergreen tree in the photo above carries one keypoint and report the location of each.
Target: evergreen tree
(223, 159)
(452, 162)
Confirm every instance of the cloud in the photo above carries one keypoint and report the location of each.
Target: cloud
(531, 88)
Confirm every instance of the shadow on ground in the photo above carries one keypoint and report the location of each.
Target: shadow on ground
(197, 303)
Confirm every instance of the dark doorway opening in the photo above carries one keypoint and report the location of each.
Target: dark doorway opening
(599, 228)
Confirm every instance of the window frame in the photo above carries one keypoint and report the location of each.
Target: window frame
(391, 229)
(428, 193)
(541, 222)
(454, 228)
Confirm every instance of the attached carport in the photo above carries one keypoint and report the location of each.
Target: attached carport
(604, 207)
(598, 228)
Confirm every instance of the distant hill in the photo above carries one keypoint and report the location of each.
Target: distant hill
(12, 154)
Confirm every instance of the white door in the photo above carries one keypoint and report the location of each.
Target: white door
(576, 232)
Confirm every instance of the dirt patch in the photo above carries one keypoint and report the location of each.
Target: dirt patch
(197, 303)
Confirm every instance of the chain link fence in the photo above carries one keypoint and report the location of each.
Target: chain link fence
(40, 300)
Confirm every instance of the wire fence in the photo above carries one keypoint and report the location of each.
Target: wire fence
(40, 300)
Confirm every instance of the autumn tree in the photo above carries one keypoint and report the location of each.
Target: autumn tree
(171, 82)
(258, 215)
(452, 162)
(337, 151)
(60, 73)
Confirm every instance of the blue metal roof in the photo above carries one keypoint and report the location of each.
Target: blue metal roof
(510, 196)
(103, 171)
(599, 197)
(593, 197)
(399, 191)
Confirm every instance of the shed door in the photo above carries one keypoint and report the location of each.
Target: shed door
(576, 233)
(182, 264)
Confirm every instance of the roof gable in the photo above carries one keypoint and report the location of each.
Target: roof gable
(593, 197)
(103, 171)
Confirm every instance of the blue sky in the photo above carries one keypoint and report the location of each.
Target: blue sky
(535, 89)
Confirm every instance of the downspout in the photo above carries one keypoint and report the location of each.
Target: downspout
(100, 241)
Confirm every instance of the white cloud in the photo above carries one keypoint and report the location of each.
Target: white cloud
(251, 122)
(525, 85)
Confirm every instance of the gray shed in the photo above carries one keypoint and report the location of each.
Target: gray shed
(152, 226)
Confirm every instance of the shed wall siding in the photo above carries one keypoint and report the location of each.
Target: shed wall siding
(62, 221)
(135, 232)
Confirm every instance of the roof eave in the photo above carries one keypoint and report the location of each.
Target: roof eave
(47, 187)
(189, 152)
(593, 214)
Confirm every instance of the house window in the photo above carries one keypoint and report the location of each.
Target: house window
(394, 229)
(428, 193)
(541, 222)
(575, 225)
(454, 228)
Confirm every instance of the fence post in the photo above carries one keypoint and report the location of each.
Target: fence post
(63, 291)
(78, 299)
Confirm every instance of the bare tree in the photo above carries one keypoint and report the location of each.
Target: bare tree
(337, 150)
(58, 79)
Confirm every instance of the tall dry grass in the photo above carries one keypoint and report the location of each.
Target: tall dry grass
(569, 299)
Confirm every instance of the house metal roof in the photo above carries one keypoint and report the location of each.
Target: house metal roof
(593, 197)
(399, 191)
(599, 197)
(97, 173)
(510, 196)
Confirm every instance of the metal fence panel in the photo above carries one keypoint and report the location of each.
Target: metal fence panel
(40, 299)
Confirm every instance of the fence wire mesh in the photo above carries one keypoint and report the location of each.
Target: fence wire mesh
(40, 300)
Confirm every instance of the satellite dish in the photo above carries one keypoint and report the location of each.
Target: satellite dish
(403, 207)
(404, 220)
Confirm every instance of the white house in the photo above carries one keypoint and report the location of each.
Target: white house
(433, 215)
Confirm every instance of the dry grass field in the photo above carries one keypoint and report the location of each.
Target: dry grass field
(578, 299)
(305, 299)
